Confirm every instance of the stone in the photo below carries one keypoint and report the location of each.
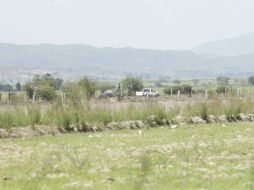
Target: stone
(173, 126)
(140, 124)
(151, 118)
(179, 119)
(124, 125)
(45, 130)
(132, 124)
(244, 117)
(211, 119)
(140, 132)
(112, 125)
(165, 122)
(25, 132)
(94, 128)
(222, 119)
(197, 120)
(251, 117)
(4, 134)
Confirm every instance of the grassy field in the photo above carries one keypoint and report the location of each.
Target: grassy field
(201, 157)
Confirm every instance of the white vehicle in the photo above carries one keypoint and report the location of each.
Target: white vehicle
(148, 92)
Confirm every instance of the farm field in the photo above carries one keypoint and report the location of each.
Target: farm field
(200, 157)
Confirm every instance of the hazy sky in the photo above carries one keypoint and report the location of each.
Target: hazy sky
(156, 24)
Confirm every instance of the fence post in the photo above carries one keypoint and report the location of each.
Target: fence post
(34, 95)
(206, 93)
(9, 96)
(62, 97)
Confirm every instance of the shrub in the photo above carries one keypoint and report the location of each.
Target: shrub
(89, 86)
(221, 80)
(47, 93)
(204, 112)
(251, 80)
(132, 85)
(6, 120)
(34, 114)
(184, 89)
(29, 90)
(222, 90)
(103, 86)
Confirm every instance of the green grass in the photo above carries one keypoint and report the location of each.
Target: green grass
(213, 157)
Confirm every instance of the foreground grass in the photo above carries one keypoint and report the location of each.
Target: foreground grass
(191, 157)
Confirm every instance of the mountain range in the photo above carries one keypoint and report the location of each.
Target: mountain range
(231, 57)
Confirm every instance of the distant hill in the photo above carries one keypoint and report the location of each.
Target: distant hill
(71, 62)
(241, 45)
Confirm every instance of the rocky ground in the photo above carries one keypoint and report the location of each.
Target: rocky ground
(150, 122)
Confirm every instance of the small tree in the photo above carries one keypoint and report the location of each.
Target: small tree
(251, 80)
(29, 90)
(18, 86)
(221, 80)
(195, 81)
(132, 85)
(5, 87)
(89, 87)
(74, 93)
(46, 92)
(103, 86)
(184, 89)
(58, 83)
(222, 90)
(46, 86)
(158, 84)
(176, 81)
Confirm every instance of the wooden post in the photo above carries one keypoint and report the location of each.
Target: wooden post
(171, 92)
(34, 95)
(9, 96)
(178, 94)
(119, 96)
(121, 90)
(62, 97)
(206, 93)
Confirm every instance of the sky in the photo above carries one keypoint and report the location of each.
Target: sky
(151, 24)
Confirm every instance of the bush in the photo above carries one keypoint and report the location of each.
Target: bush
(46, 93)
(6, 120)
(29, 90)
(74, 93)
(132, 85)
(221, 80)
(184, 89)
(204, 112)
(104, 86)
(34, 113)
(45, 87)
(251, 80)
(222, 90)
(89, 86)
